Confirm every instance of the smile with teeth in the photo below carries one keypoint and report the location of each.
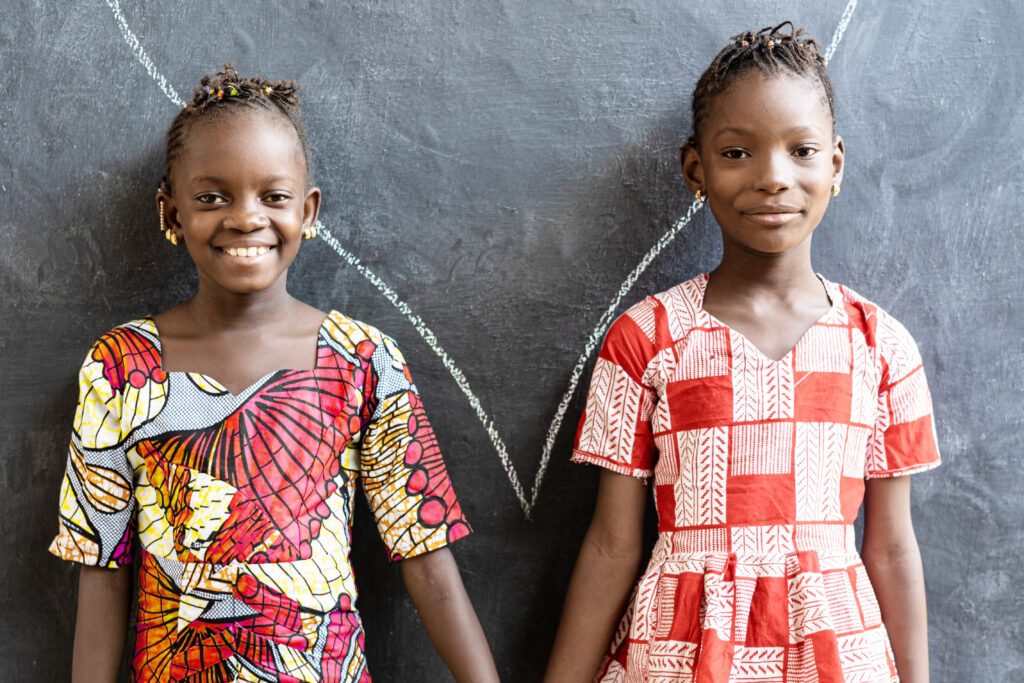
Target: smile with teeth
(248, 252)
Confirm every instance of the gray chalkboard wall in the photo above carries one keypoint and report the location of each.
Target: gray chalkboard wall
(502, 166)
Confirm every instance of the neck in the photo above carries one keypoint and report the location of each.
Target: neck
(218, 309)
(748, 270)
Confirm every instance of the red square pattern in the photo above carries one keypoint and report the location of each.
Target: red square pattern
(759, 469)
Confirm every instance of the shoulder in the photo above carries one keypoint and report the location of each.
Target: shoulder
(127, 354)
(667, 316)
(358, 338)
(352, 332)
(894, 343)
(653, 324)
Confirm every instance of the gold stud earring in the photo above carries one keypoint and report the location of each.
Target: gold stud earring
(700, 196)
(309, 233)
(835, 189)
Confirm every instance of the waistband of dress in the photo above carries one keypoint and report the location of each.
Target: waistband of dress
(758, 541)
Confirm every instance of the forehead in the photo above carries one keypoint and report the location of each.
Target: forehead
(770, 103)
(239, 140)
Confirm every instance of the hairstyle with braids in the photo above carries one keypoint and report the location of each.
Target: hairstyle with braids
(224, 92)
(770, 51)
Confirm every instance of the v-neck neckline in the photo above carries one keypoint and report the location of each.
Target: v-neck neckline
(830, 292)
(151, 323)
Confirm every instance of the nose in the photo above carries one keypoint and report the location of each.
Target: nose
(774, 172)
(247, 215)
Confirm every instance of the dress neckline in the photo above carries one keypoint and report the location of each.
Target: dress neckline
(831, 291)
(155, 331)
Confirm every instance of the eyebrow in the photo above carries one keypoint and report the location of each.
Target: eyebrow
(789, 131)
(218, 180)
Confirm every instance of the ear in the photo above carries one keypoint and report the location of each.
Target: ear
(693, 167)
(170, 211)
(311, 207)
(838, 160)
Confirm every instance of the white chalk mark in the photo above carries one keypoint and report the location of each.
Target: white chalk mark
(844, 21)
(596, 335)
(606, 319)
(428, 335)
(431, 339)
(140, 54)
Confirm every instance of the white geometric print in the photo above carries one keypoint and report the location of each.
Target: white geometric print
(820, 450)
(764, 448)
(761, 391)
(703, 464)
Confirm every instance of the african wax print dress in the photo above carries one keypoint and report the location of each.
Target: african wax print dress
(241, 505)
(759, 470)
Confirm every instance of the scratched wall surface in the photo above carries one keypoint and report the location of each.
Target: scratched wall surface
(494, 172)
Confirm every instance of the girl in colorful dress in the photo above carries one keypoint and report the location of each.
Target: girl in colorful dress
(225, 439)
(767, 403)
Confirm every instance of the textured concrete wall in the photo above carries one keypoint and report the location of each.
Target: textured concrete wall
(501, 167)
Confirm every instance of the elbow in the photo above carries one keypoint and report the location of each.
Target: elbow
(612, 548)
(893, 559)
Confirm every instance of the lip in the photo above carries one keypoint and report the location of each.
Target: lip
(772, 215)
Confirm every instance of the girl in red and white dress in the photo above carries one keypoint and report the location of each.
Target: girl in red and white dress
(767, 403)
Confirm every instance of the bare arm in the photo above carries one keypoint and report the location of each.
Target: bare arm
(893, 563)
(104, 597)
(436, 589)
(601, 583)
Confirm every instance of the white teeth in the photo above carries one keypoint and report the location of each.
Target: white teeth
(246, 252)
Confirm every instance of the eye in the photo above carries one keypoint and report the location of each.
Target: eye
(209, 198)
(735, 153)
(805, 151)
(276, 197)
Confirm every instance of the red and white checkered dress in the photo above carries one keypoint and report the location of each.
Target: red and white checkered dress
(759, 470)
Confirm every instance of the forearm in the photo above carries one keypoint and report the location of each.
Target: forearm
(447, 614)
(600, 586)
(893, 563)
(104, 597)
(898, 578)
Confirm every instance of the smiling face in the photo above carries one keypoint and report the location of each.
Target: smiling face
(240, 201)
(766, 160)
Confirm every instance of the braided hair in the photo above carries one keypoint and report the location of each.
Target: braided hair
(770, 51)
(225, 91)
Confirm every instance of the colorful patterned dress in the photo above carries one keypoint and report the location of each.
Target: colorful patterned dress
(241, 505)
(759, 470)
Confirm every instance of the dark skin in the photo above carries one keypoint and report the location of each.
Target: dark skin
(766, 160)
(240, 203)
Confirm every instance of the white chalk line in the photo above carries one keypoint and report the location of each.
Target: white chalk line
(140, 54)
(837, 36)
(431, 339)
(428, 335)
(606, 319)
(390, 294)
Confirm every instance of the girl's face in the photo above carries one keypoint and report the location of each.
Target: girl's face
(767, 160)
(240, 201)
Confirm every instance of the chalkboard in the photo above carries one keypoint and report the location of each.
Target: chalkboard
(495, 174)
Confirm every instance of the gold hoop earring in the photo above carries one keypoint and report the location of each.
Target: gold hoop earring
(309, 233)
(835, 189)
(168, 233)
(700, 196)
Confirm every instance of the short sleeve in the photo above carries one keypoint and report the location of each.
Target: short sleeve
(615, 429)
(903, 439)
(96, 501)
(404, 475)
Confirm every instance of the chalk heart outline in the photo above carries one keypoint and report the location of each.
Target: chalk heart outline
(526, 502)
